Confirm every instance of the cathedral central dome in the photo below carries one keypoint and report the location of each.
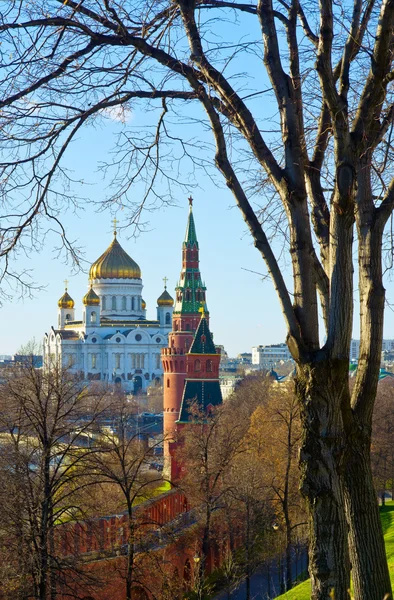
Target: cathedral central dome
(115, 263)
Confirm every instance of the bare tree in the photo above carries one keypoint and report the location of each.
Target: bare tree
(43, 417)
(121, 461)
(274, 438)
(209, 446)
(326, 158)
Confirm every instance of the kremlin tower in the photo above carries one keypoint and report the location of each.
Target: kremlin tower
(191, 361)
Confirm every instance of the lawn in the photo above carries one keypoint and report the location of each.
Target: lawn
(302, 591)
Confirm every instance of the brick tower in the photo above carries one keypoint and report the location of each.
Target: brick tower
(190, 301)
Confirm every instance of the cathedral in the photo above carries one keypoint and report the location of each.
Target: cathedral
(114, 342)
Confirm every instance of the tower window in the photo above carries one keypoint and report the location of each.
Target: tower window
(94, 361)
(197, 365)
(68, 317)
(104, 303)
(168, 382)
(187, 327)
(124, 303)
(117, 361)
(168, 318)
(132, 303)
(113, 302)
(209, 366)
(93, 316)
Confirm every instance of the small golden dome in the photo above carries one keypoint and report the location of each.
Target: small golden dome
(66, 301)
(143, 304)
(165, 299)
(91, 298)
(115, 263)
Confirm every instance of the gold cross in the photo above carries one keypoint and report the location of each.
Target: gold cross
(66, 284)
(190, 200)
(165, 279)
(115, 221)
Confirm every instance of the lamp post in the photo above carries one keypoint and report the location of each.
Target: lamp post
(276, 527)
(197, 576)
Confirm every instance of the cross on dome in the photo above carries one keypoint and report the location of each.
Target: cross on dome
(165, 279)
(66, 283)
(115, 222)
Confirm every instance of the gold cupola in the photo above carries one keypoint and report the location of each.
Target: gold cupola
(66, 301)
(165, 299)
(115, 263)
(91, 298)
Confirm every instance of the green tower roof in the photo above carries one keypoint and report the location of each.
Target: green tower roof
(191, 235)
(203, 342)
(204, 393)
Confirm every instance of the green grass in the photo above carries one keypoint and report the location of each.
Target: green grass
(303, 591)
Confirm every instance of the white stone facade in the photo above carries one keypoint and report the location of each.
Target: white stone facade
(113, 342)
(266, 357)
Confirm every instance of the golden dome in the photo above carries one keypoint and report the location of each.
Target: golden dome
(91, 298)
(165, 299)
(143, 304)
(115, 263)
(66, 301)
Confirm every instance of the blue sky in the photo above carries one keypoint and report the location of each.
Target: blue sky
(243, 306)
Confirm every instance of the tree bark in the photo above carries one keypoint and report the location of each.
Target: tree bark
(370, 575)
(319, 387)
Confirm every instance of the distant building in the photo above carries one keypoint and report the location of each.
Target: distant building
(387, 347)
(114, 342)
(228, 383)
(266, 357)
(245, 358)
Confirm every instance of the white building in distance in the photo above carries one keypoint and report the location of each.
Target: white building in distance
(387, 346)
(267, 357)
(114, 342)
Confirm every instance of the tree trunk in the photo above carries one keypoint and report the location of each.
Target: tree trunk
(370, 575)
(130, 557)
(319, 387)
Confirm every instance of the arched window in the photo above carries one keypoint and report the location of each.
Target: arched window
(168, 382)
(187, 327)
(104, 302)
(132, 303)
(68, 317)
(175, 326)
(124, 303)
(197, 365)
(93, 316)
(168, 318)
(209, 366)
(117, 361)
(113, 302)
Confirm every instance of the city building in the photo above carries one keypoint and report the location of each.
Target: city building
(113, 342)
(191, 360)
(267, 357)
(387, 347)
(228, 384)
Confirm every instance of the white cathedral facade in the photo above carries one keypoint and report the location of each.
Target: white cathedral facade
(113, 342)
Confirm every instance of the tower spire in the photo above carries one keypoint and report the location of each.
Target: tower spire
(191, 235)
